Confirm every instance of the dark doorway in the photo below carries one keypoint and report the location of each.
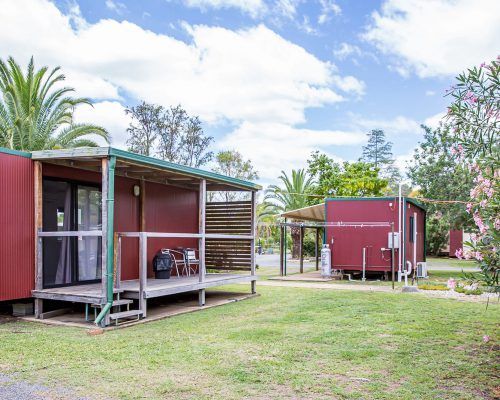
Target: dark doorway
(71, 206)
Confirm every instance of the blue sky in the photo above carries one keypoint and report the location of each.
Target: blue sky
(273, 79)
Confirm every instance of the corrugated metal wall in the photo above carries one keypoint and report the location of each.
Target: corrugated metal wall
(17, 245)
(168, 209)
(348, 242)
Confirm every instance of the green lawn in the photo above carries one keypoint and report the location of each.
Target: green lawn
(287, 343)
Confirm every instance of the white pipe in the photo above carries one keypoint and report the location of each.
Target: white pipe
(407, 272)
(364, 264)
(415, 239)
(400, 218)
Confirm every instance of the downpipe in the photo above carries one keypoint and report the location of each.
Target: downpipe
(110, 241)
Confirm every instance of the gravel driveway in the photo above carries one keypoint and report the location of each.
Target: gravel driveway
(17, 389)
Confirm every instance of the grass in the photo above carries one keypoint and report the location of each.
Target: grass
(300, 343)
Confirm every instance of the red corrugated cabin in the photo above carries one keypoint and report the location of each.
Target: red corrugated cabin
(82, 225)
(358, 230)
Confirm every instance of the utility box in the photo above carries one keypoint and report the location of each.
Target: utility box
(390, 243)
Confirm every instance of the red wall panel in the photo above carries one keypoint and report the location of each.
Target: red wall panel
(347, 243)
(16, 227)
(456, 241)
(168, 209)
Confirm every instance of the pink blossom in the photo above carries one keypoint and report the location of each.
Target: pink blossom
(497, 223)
(479, 222)
(459, 254)
(486, 338)
(451, 284)
(483, 64)
(478, 256)
(483, 203)
(469, 207)
(467, 254)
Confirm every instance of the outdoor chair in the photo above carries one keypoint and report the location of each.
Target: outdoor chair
(185, 261)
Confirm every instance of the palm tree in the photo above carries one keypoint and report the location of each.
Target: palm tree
(291, 197)
(34, 115)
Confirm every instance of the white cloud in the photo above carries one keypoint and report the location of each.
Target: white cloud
(392, 127)
(433, 121)
(251, 7)
(350, 84)
(328, 8)
(273, 147)
(251, 74)
(345, 50)
(109, 114)
(436, 37)
(116, 6)
(430, 93)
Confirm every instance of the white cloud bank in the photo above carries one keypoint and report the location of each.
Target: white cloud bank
(251, 78)
(436, 37)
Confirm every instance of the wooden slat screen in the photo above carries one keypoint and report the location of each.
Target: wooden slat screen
(232, 218)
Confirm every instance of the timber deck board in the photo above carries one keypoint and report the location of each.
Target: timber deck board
(91, 293)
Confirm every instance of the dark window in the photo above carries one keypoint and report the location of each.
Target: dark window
(412, 229)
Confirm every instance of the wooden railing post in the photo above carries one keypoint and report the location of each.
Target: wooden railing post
(143, 271)
(38, 181)
(202, 241)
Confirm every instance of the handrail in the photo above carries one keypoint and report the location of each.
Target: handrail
(68, 233)
(185, 235)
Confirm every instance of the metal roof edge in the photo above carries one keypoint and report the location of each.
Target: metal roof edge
(182, 168)
(15, 152)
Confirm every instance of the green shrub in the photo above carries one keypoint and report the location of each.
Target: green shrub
(476, 292)
(429, 286)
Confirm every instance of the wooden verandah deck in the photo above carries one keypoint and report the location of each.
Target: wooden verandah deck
(130, 289)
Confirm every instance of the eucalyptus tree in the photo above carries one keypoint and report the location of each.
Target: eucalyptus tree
(293, 194)
(35, 114)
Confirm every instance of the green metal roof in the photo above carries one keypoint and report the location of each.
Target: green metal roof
(144, 160)
(15, 152)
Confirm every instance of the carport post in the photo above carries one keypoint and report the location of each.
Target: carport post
(282, 249)
(301, 249)
(252, 242)
(201, 241)
(316, 250)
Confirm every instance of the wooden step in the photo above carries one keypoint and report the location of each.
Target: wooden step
(122, 302)
(125, 314)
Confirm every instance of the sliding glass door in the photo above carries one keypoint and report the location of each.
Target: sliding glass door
(71, 206)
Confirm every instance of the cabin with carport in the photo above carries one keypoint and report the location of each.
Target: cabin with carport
(84, 225)
(366, 236)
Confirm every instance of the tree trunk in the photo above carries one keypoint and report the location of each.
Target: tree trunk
(295, 232)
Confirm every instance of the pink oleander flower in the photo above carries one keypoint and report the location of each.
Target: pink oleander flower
(483, 203)
(478, 256)
(483, 64)
(469, 208)
(451, 284)
(459, 253)
(497, 223)
(474, 238)
(479, 222)
(486, 338)
(467, 254)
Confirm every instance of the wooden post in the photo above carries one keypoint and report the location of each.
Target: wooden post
(316, 249)
(201, 242)
(118, 261)
(143, 271)
(282, 250)
(38, 192)
(301, 249)
(252, 242)
(142, 206)
(104, 222)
